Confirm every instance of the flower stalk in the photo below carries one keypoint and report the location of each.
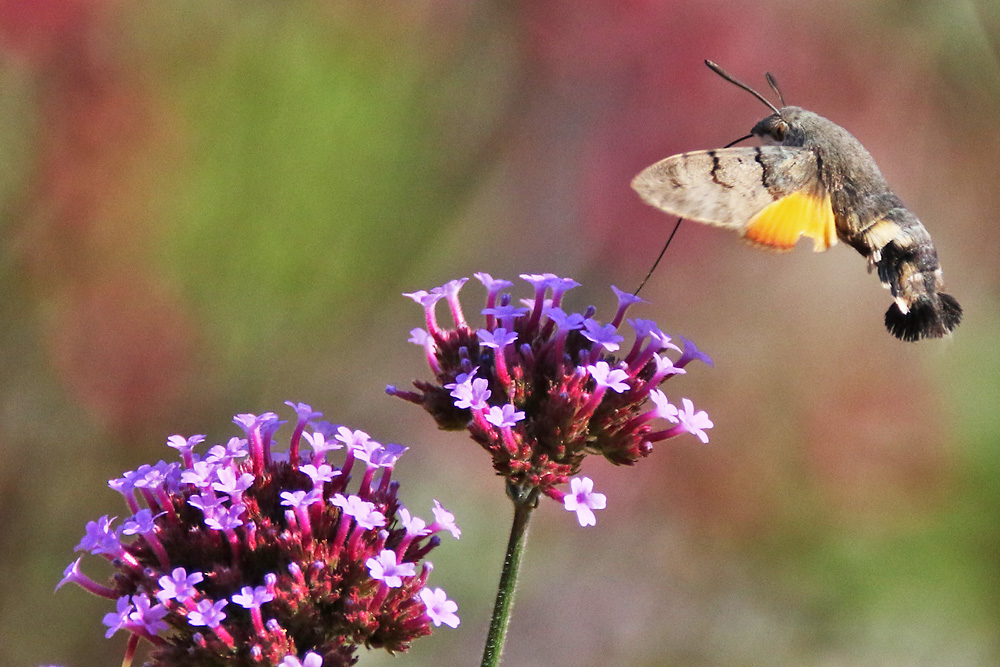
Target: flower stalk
(540, 389)
(504, 604)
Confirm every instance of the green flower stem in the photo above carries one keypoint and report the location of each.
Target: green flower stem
(508, 580)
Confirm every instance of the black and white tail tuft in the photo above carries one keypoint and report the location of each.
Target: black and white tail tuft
(930, 316)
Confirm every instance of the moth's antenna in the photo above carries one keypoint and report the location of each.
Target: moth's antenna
(676, 227)
(721, 72)
(774, 86)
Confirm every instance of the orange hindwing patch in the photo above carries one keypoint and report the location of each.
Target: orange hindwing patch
(780, 224)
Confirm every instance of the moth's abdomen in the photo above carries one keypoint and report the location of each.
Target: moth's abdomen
(930, 316)
(908, 265)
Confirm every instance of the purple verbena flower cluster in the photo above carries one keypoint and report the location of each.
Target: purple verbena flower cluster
(248, 556)
(539, 388)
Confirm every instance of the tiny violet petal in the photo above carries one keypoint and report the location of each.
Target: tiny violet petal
(496, 339)
(693, 422)
(445, 520)
(439, 607)
(120, 617)
(505, 416)
(605, 376)
(582, 500)
(207, 613)
(606, 335)
(385, 569)
(311, 659)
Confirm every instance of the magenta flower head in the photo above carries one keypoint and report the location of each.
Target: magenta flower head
(540, 388)
(249, 556)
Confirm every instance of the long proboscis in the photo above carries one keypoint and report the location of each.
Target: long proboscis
(676, 227)
(773, 83)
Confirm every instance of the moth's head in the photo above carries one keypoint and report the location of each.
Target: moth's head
(786, 127)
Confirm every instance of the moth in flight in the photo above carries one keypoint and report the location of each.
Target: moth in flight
(812, 178)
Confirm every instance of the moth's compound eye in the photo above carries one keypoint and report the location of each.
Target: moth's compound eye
(779, 131)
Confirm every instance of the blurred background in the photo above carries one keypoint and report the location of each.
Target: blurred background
(213, 207)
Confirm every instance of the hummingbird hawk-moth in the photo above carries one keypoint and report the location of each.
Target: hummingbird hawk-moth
(812, 178)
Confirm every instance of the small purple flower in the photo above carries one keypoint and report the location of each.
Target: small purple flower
(420, 337)
(498, 339)
(319, 474)
(185, 445)
(506, 314)
(606, 335)
(540, 281)
(120, 617)
(606, 377)
(625, 299)
(140, 523)
(207, 613)
(692, 353)
(352, 439)
(236, 448)
(428, 300)
(178, 585)
(665, 367)
(72, 571)
(363, 450)
(493, 285)
(565, 322)
(444, 520)
(424, 298)
(321, 444)
(303, 411)
(296, 499)
(505, 416)
(232, 484)
(310, 660)
(472, 393)
(182, 444)
(414, 525)
(101, 538)
(72, 574)
(664, 409)
(246, 421)
(643, 328)
(251, 598)
(387, 455)
(450, 291)
(693, 422)
(582, 500)
(125, 486)
(560, 286)
(385, 569)
(364, 513)
(439, 607)
(155, 477)
(225, 518)
(207, 503)
(201, 474)
(148, 616)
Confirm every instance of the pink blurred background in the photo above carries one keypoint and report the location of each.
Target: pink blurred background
(211, 208)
